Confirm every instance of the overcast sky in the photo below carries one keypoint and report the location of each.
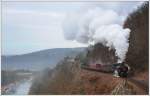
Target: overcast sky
(33, 26)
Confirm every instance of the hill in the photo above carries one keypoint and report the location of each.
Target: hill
(38, 60)
(69, 78)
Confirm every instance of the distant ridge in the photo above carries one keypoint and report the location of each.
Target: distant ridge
(39, 51)
(38, 60)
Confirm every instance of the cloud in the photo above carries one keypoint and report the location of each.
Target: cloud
(30, 26)
(99, 25)
(102, 23)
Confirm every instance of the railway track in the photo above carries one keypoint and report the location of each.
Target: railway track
(97, 70)
(121, 87)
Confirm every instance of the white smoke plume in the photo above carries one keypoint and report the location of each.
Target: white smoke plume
(98, 26)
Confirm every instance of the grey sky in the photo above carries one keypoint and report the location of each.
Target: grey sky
(32, 26)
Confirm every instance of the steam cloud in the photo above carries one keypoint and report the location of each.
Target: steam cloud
(98, 26)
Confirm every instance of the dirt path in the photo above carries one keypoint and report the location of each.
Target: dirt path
(139, 87)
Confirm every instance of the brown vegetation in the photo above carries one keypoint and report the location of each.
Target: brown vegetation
(137, 55)
(101, 54)
(69, 78)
